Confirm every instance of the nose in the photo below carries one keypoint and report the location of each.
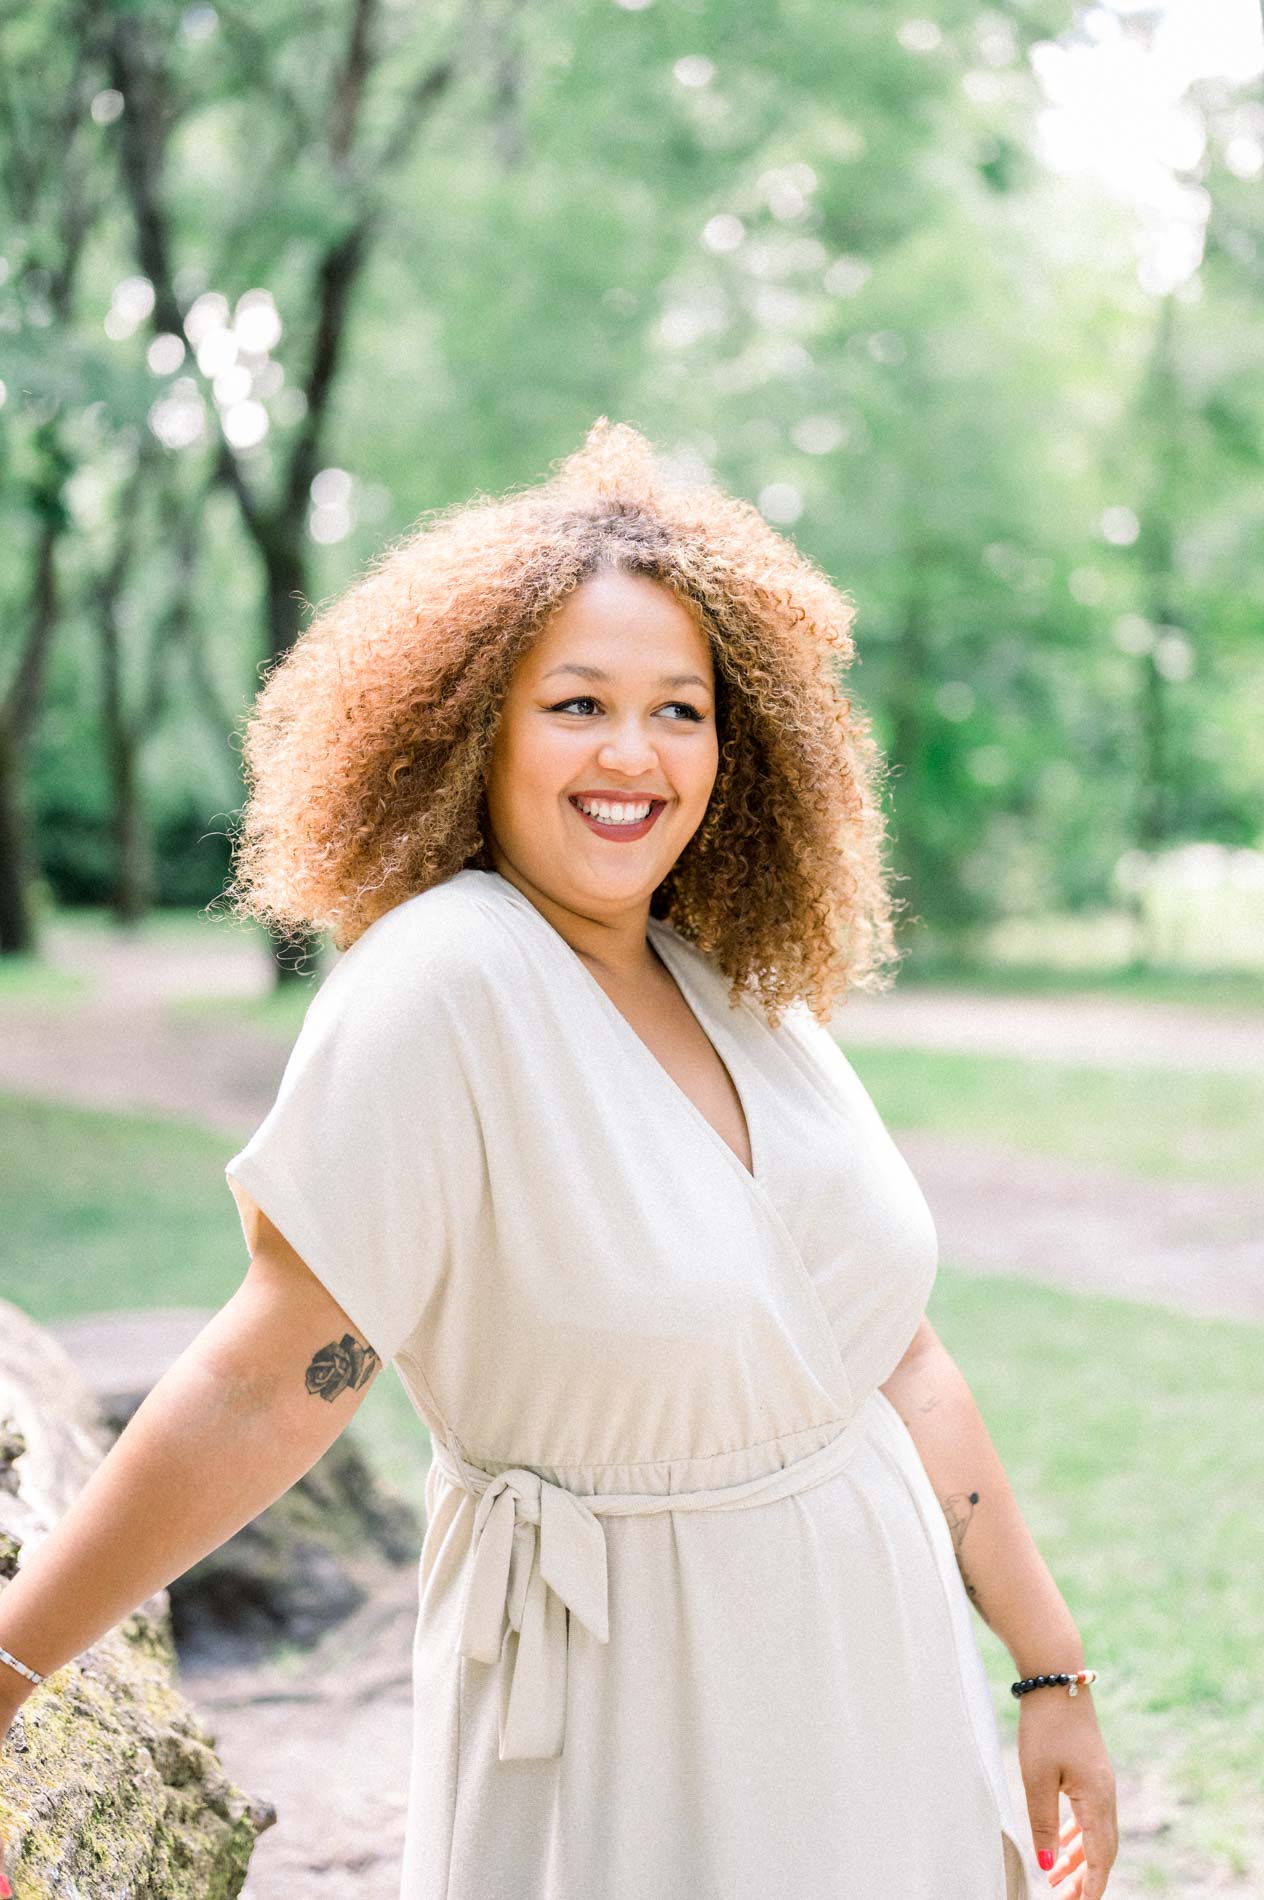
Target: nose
(628, 750)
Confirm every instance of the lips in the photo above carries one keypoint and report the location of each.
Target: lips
(617, 833)
(599, 797)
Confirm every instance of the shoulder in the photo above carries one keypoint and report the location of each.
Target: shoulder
(454, 920)
(801, 1027)
(444, 946)
(822, 1052)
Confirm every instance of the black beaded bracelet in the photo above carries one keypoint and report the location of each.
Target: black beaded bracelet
(1072, 1682)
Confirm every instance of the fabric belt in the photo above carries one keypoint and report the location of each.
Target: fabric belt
(538, 1552)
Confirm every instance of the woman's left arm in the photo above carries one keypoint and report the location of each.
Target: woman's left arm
(1059, 1743)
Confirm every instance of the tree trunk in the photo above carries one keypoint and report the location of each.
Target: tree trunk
(17, 717)
(133, 863)
(17, 923)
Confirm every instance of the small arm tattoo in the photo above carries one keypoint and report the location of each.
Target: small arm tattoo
(959, 1509)
(342, 1366)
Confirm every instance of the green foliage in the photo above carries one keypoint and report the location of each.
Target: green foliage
(796, 246)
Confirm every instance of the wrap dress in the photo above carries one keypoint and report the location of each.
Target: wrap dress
(690, 1624)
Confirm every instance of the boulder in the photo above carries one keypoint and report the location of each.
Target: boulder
(109, 1781)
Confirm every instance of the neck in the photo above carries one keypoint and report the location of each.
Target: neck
(612, 942)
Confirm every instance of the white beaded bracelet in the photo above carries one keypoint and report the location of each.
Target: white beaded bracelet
(32, 1675)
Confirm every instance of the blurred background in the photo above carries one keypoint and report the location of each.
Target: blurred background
(967, 299)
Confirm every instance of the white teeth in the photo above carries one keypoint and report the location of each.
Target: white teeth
(620, 814)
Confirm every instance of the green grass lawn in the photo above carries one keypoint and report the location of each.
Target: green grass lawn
(279, 1012)
(1126, 1431)
(1130, 1435)
(1126, 983)
(162, 922)
(1165, 1124)
(31, 979)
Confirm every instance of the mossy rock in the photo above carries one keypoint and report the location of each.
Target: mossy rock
(109, 1782)
(109, 1785)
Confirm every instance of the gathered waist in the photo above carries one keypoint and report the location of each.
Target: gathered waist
(538, 1557)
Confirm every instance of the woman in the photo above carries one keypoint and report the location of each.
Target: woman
(565, 1136)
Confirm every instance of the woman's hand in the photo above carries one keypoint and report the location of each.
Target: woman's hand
(1060, 1750)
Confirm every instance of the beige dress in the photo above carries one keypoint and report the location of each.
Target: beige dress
(690, 1621)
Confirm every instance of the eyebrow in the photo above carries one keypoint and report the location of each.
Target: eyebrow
(595, 673)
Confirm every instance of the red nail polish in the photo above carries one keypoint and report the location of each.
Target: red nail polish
(1045, 1857)
(6, 1891)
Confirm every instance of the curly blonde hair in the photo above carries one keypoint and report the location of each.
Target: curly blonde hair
(366, 750)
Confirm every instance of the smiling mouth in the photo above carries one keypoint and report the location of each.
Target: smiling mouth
(618, 818)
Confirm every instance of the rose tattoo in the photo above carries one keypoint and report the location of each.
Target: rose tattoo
(341, 1367)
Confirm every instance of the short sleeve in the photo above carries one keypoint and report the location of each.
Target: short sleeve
(369, 1161)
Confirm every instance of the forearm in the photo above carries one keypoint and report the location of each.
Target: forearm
(222, 1435)
(1005, 1576)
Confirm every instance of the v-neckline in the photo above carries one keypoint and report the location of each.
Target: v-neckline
(662, 934)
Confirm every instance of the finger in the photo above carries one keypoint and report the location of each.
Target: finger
(1065, 1870)
(1097, 1857)
(1042, 1813)
(1069, 1862)
(1064, 1876)
(1069, 1835)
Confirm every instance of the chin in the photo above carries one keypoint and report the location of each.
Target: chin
(618, 887)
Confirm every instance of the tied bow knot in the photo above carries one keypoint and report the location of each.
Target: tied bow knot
(538, 1552)
(537, 1561)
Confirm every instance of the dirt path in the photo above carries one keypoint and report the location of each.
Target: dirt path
(1194, 1246)
(326, 1736)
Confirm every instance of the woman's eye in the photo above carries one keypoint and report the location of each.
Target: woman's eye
(586, 699)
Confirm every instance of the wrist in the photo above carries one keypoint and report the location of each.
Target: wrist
(1050, 1658)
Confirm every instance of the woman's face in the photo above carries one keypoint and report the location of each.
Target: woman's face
(612, 709)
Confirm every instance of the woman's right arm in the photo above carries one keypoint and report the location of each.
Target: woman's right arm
(247, 1409)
